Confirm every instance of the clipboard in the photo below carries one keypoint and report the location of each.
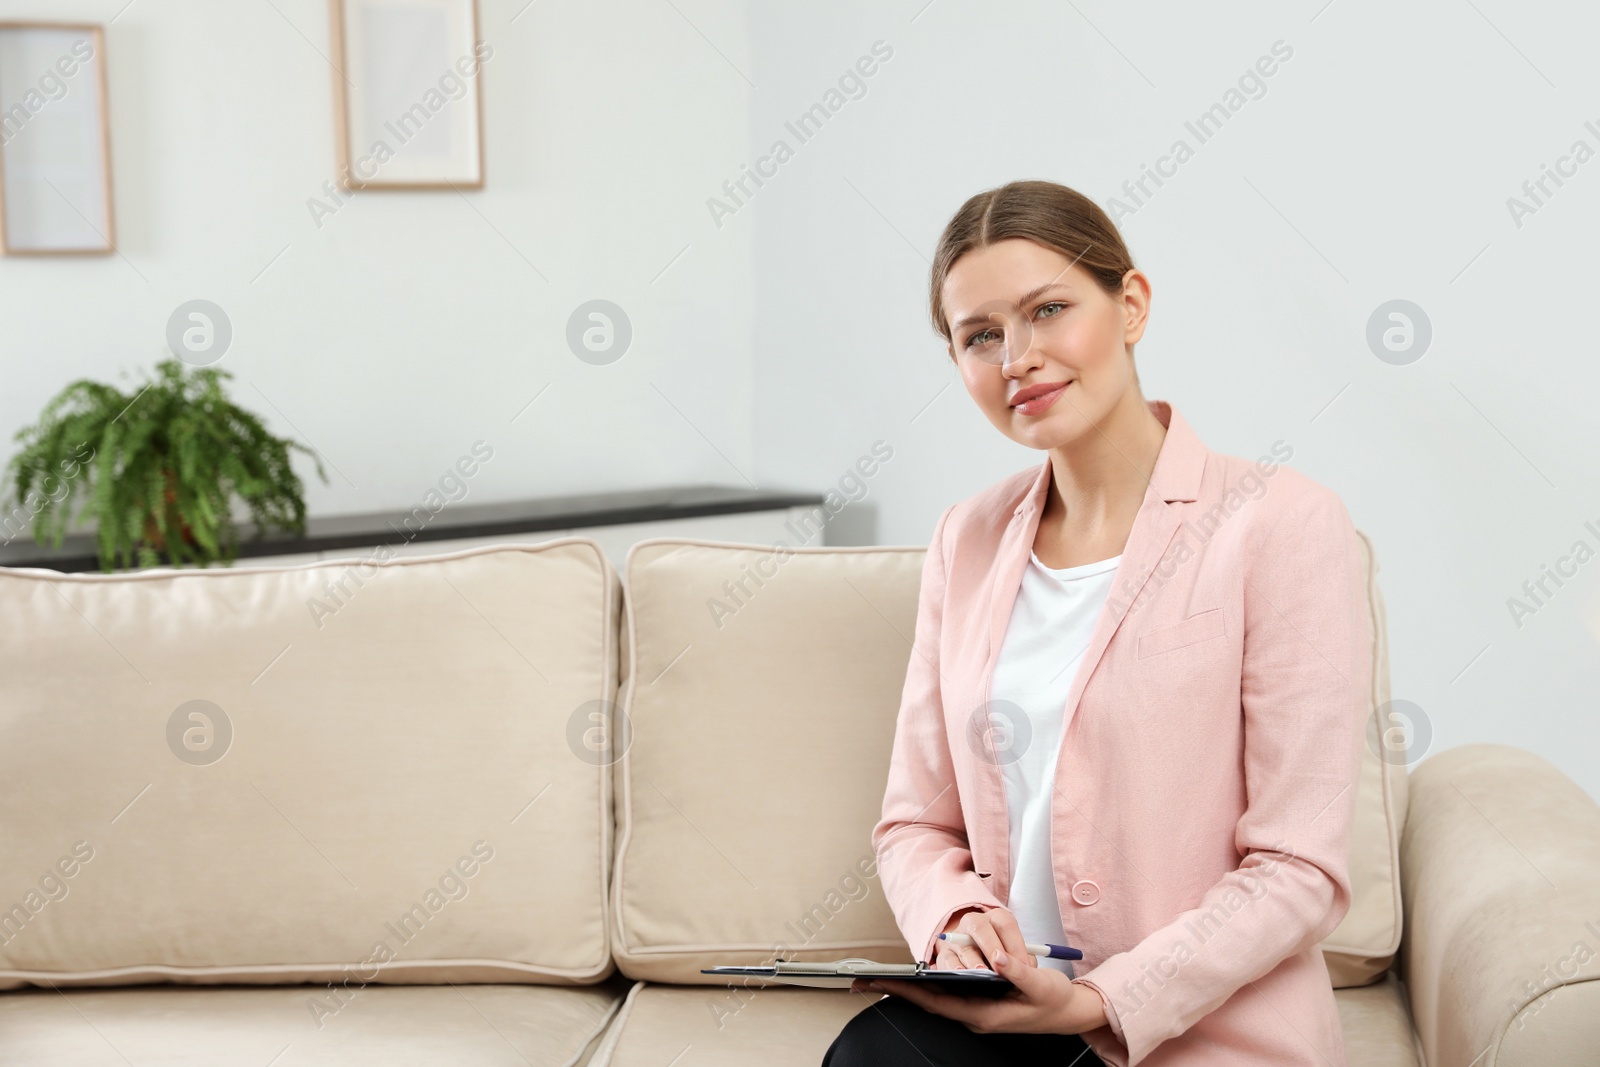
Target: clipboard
(839, 974)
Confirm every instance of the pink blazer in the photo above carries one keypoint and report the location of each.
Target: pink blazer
(1206, 782)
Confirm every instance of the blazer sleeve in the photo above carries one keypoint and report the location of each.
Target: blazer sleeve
(924, 860)
(1305, 693)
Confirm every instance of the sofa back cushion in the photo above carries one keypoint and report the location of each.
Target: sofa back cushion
(1364, 943)
(762, 689)
(344, 772)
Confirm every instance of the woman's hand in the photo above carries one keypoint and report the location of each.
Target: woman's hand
(1045, 1001)
(992, 932)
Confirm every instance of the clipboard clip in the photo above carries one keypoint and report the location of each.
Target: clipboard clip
(851, 967)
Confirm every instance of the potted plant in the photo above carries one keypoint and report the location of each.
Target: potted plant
(158, 470)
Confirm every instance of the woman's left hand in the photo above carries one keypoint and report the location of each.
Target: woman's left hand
(1045, 1001)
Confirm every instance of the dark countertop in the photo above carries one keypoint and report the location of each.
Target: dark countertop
(77, 551)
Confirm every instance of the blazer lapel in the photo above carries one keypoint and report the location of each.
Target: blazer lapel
(1175, 479)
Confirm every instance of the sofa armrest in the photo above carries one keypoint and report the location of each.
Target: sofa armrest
(1500, 871)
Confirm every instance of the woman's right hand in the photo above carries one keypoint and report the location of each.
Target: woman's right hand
(991, 931)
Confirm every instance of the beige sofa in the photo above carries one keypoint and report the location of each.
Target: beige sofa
(362, 813)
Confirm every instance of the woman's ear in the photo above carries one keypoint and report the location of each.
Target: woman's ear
(1136, 305)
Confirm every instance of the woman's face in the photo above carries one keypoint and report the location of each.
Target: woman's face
(1024, 318)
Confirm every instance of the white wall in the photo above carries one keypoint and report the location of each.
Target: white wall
(1376, 166)
(788, 339)
(411, 324)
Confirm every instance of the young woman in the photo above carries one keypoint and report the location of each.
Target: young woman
(1132, 719)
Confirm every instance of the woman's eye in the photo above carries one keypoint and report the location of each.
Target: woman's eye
(1055, 307)
(983, 337)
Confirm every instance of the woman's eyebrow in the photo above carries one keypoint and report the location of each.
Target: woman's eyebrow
(1029, 296)
(1040, 290)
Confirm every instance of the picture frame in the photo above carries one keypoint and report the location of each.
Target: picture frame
(408, 93)
(55, 140)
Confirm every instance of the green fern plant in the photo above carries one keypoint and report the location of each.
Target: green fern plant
(157, 470)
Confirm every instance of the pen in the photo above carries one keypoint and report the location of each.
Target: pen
(1057, 952)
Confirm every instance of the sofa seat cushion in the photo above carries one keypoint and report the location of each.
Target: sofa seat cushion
(1377, 1025)
(712, 1026)
(696, 1026)
(304, 1026)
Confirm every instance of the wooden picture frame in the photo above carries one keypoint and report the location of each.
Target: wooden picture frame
(55, 140)
(408, 96)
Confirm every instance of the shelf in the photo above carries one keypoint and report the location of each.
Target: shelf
(453, 522)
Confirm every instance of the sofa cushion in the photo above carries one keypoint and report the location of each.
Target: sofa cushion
(775, 1026)
(786, 1027)
(1363, 945)
(1376, 1021)
(398, 1026)
(762, 693)
(348, 771)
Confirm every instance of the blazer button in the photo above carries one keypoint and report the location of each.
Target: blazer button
(1085, 892)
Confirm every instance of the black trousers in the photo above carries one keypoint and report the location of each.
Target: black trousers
(893, 1032)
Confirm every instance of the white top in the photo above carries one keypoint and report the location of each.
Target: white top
(1051, 623)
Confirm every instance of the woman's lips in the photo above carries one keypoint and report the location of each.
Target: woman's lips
(1040, 403)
